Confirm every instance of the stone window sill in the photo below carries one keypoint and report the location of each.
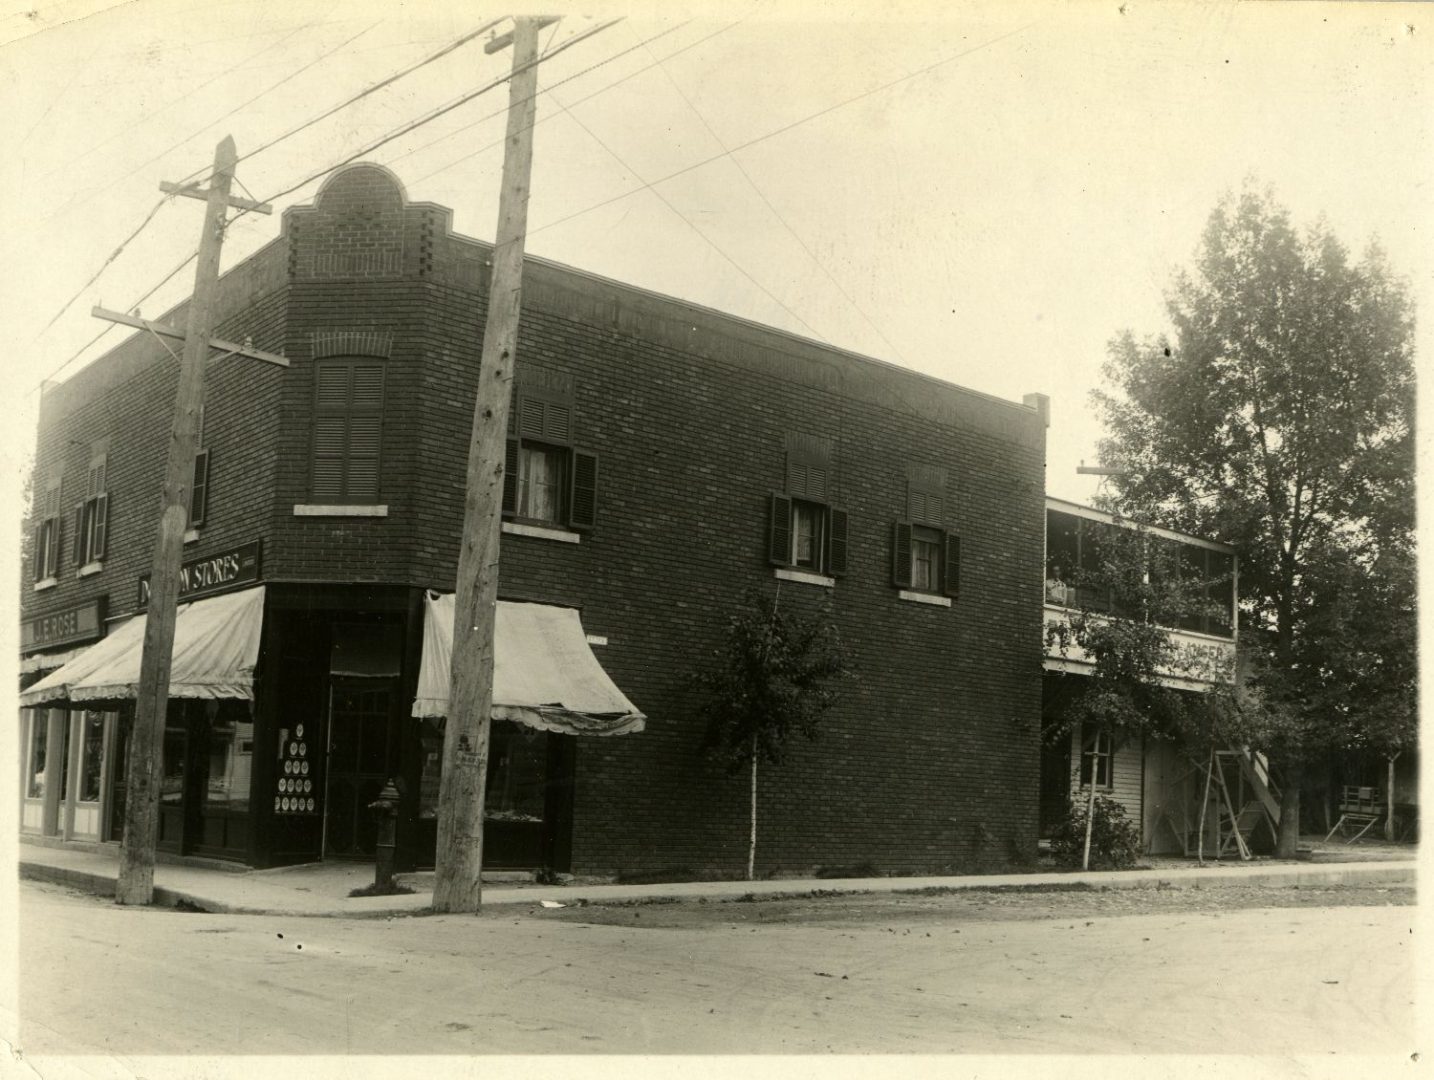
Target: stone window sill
(46, 583)
(191, 535)
(923, 598)
(90, 568)
(805, 577)
(542, 532)
(340, 510)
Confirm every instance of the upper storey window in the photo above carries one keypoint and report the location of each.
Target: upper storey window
(805, 530)
(546, 480)
(348, 429)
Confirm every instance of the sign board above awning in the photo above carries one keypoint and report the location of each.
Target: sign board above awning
(544, 672)
(216, 647)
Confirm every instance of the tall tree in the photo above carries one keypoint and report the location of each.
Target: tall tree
(1276, 413)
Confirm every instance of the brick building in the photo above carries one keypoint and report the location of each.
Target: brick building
(664, 458)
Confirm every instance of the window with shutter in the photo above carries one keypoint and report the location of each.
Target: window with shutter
(546, 481)
(805, 531)
(901, 568)
(347, 431)
(951, 566)
(582, 501)
(199, 490)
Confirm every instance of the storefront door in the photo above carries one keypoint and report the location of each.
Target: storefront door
(363, 755)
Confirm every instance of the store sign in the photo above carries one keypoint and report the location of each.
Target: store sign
(76, 624)
(213, 573)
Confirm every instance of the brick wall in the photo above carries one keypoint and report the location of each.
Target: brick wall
(930, 761)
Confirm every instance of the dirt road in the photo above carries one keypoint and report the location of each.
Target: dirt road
(1188, 972)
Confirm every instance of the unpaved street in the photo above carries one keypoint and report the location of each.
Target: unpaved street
(1179, 971)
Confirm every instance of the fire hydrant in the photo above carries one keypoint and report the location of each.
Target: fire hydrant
(385, 814)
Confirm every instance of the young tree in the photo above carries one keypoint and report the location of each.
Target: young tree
(773, 679)
(1276, 413)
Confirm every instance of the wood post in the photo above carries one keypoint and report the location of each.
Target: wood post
(141, 814)
(459, 862)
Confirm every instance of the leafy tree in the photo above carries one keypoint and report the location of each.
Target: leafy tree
(1276, 413)
(772, 680)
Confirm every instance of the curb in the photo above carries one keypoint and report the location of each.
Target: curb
(99, 884)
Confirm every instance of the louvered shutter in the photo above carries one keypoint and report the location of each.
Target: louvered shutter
(82, 555)
(836, 543)
(779, 531)
(52, 548)
(365, 433)
(37, 553)
(510, 477)
(348, 432)
(361, 481)
(329, 439)
(582, 498)
(199, 490)
(951, 566)
(901, 554)
(99, 527)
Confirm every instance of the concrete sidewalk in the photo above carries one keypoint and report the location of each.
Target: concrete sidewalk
(321, 889)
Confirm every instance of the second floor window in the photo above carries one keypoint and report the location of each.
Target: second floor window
(924, 556)
(199, 484)
(348, 429)
(92, 517)
(546, 480)
(46, 554)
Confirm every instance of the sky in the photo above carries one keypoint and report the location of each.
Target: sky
(986, 193)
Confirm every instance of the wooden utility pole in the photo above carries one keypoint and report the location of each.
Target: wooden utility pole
(141, 812)
(457, 885)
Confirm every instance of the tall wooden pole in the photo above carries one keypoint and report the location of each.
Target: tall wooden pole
(141, 810)
(459, 865)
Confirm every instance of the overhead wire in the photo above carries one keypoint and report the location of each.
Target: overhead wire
(397, 133)
(434, 114)
(615, 83)
(782, 130)
(450, 47)
(777, 213)
(689, 222)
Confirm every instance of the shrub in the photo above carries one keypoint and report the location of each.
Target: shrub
(1114, 839)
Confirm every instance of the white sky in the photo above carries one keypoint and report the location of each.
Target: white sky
(993, 220)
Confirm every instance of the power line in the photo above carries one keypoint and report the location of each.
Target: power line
(432, 115)
(293, 131)
(777, 213)
(781, 130)
(688, 221)
(115, 254)
(188, 94)
(397, 133)
(570, 78)
(292, 75)
(464, 40)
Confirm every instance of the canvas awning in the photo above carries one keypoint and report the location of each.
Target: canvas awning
(216, 645)
(544, 672)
